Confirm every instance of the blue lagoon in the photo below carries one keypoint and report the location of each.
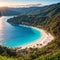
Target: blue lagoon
(16, 36)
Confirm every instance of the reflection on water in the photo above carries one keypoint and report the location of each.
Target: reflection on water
(15, 36)
(1, 30)
(4, 27)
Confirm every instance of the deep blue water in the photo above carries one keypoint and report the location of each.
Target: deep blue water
(16, 36)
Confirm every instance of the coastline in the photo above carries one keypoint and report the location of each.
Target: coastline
(41, 42)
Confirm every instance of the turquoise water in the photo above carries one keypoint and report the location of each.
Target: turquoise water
(16, 36)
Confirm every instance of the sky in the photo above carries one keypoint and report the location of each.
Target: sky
(20, 2)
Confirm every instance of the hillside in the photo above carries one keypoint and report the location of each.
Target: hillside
(33, 10)
(49, 20)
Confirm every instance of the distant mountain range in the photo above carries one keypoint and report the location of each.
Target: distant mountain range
(34, 15)
(16, 9)
(32, 10)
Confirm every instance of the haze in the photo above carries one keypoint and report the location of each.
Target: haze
(19, 3)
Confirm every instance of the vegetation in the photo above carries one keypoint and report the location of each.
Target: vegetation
(49, 20)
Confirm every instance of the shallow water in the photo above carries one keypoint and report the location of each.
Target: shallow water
(16, 36)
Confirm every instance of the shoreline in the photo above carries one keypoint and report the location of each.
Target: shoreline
(41, 42)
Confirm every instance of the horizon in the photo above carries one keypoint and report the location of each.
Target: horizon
(24, 3)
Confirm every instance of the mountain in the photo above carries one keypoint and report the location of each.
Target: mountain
(32, 10)
(47, 12)
(17, 9)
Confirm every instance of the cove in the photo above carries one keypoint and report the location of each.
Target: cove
(16, 36)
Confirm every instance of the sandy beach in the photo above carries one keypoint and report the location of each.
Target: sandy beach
(43, 41)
